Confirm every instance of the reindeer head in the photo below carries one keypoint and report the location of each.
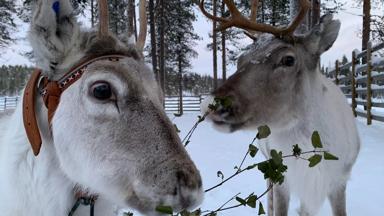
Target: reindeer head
(107, 129)
(274, 76)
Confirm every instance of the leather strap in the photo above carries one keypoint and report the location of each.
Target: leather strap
(29, 116)
(52, 98)
(51, 93)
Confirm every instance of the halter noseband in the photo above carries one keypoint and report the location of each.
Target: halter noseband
(51, 91)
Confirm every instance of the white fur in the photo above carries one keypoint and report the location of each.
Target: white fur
(332, 117)
(294, 101)
(124, 149)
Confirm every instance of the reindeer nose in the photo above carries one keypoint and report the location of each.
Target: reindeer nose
(223, 111)
(189, 189)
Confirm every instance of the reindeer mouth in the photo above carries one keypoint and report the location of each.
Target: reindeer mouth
(229, 126)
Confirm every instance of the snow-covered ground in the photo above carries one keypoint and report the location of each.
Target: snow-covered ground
(213, 151)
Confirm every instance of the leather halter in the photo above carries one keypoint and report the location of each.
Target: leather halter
(51, 91)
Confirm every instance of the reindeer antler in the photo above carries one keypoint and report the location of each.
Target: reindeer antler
(103, 18)
(238, 20)
(143, 25)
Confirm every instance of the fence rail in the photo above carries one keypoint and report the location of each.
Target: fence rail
(363, 83)
(172, 104)
(7, 103)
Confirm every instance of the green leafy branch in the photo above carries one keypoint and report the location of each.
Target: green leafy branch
(218, 102)
(272, 168)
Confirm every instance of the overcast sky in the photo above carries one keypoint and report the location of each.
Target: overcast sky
(348, 40)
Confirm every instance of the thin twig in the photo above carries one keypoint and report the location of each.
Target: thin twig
(238, 205)
(238, 172)
(187, 138)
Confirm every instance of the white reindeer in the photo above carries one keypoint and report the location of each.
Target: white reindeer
(108, 134)
(278, 83)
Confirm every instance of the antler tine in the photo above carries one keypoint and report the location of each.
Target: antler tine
(103, 18)
(238, 20)
(143, 25)
(210, 16)
(254, 7)
(305, 6)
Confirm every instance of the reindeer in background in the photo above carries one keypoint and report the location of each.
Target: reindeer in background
(93, 116)
(278, 83)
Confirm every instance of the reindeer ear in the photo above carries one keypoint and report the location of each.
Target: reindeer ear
(52, 32)
(323, 35)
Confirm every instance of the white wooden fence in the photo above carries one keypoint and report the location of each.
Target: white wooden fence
(363, 84)
(190, 103)
(7, 103)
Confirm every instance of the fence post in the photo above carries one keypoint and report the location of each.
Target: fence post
(369, 84)
(181, 105)
(353, 83)
(337, 72)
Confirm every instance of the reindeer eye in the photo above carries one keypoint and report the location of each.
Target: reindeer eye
(288, 61)
(102, 91)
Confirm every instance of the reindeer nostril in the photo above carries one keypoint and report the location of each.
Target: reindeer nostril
(181, 177)
(175, 191)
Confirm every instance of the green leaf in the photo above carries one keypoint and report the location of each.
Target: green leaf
(213, 107)
(220, 175)
(251, 201)
(164, 209)
(261, 209)
(277, 157)
(296, 150)
(329, 156)
(241, 201)
(201, 118)
(253, 150)
(251, 167)
(263, 132)
(225, 102)
(314, 160)
(194, 213)
(316, 141)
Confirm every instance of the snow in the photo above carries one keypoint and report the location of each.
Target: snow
(213, 151)
(377, 61)
(357, 51)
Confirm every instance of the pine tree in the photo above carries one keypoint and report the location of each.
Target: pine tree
(177, 37)
(7, 24)
(118, 16)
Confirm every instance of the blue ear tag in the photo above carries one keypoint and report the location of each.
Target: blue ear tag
(56, 7)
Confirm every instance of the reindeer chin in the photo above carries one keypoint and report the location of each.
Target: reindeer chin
(227, 127)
